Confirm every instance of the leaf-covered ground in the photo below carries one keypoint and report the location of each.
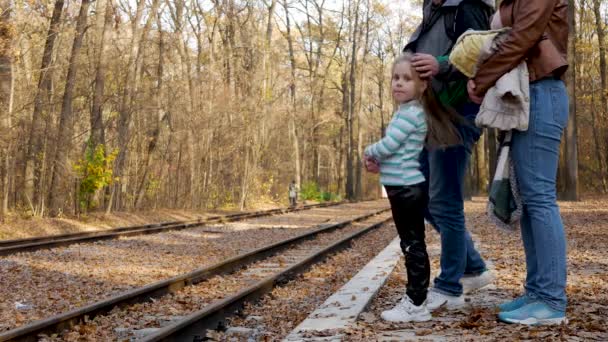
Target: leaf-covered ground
(280, 311)
(128, 322)
(587, 234)
(42, 283)
(22, 225)
(19, 227)
(587, 237)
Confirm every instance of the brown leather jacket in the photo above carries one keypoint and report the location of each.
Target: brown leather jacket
(539, 35)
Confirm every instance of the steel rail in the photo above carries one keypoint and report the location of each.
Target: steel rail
(66, 320)
(31, 244)
(213, 316)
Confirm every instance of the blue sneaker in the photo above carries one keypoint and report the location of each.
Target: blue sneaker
(535, 313)
(515, 303)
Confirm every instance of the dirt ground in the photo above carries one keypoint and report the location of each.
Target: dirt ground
(17, 226)
(586, 225)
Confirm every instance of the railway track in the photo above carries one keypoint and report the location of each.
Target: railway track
(8, 247)
(243, 278)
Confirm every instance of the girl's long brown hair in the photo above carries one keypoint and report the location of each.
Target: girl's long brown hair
(441, 120)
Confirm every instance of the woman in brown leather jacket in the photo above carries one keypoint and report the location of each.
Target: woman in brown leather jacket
(539, 35)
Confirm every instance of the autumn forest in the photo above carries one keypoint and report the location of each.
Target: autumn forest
(120, 105)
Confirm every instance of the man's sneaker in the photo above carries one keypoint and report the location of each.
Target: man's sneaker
(515, 303)
(406, 311)
(535, 313)
(472, 283)
(436, 299)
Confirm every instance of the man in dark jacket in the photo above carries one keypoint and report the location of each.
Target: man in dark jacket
(462, 268)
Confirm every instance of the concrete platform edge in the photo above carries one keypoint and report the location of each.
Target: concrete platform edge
(342, 309)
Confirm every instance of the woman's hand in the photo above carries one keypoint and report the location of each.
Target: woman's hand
(471, 87)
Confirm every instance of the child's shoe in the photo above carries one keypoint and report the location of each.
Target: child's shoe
(406, 311)
(535, 313)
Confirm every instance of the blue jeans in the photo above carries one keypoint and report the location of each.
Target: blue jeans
(445, 170)
(536, 155)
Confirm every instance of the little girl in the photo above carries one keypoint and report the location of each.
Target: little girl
(395, 156)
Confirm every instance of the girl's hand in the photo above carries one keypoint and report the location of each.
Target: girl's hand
(373, 167)
(371, 164)
(471, 87)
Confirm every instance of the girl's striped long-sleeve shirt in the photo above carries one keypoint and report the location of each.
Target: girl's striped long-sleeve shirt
(398, 151)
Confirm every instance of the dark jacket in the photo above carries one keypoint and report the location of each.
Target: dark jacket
(539, 35)
(440, 28)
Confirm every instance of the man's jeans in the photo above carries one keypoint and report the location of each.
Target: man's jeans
(445, 170)
(536, 155)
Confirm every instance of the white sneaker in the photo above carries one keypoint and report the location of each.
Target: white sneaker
(470, 284)
(435, 300)
(406, 311)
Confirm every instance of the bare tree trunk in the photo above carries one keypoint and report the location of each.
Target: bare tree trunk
(125, 108)
(380, 53)
(103, 24)
(9, 162)
(35, 147)
(380, 84)
(60, 172)
(130, 184)
(315, 32)
(193, 192)
(314, 136)
(571, 142)
(482, 166)
(292, 89)
(96, 119)
(349, 186)
(177, 173)
(245, 179)
(158, 117)
(595, 123)
(601, 36)
(351, 181)
(226, 11)
(358, 164)
(492, 151)
(380, 77)
(6, 99)
(267, 50)
(340, 149)
(177, 12)
(167, 159)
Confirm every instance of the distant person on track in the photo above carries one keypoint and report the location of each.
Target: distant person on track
(396, 158)
(293, 193)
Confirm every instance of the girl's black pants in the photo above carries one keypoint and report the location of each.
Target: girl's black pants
(408, 204)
